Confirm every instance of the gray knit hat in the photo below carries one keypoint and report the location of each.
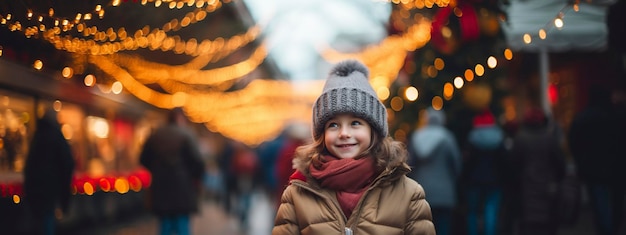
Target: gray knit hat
(347, 90)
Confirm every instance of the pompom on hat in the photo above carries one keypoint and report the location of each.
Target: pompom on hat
(347, 90)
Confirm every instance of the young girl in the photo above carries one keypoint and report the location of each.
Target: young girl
(351, 179)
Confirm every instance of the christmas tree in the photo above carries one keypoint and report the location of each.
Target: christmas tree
(462, 70)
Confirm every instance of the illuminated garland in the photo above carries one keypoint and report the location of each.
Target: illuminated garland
(251, 114)
(112, 40)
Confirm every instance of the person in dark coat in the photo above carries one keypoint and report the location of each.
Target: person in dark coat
(173, 157)
(484, 173)
(48, 174)
(594, 142)
(540, 166)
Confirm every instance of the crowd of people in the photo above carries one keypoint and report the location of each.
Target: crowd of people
(527, 177)
(344, 174)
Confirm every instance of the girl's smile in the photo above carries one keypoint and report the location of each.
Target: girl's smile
(347, 136)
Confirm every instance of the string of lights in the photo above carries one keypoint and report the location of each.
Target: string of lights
(180, 82)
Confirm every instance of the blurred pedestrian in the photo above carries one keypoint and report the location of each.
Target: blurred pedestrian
(540, 166)
(352, 178)
(173, 157)
(297, 134)
(437, 167)
(485, 171)
(48, 174)
(268, 155)
(594, 142)
(244, 167)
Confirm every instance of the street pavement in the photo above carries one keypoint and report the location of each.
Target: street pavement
(213, 220)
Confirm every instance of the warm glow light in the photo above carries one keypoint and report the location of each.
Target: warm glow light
(437, 103)
(396, 103)
(67, 72)
(508, 54)
(105, 185)
(439, 64)
(399, 135)
(38, 65)
(68, 131)
(383, 93)
(527, 39)
(25, 117)
(116, 88)
(16, 199)
(492, 62)
(98, 126)
(121, 185)
(411, 93)
(479, 70)
(135, 183)
(88, 188)
(448, 91)
(431, 71)
(90, 80)
(458, 82)
(446, 32)
(558, 23)
(57, 105)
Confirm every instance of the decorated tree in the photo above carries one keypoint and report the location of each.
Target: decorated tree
(452, 71)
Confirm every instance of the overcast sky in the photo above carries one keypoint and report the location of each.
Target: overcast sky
(295, 28)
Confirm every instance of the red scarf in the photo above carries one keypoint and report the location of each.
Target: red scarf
(348, 177)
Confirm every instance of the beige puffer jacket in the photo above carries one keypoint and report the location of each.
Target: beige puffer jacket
(393, 205)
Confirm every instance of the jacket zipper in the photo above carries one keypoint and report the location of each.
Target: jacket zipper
(360, 203)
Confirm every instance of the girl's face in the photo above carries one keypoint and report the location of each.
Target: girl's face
(347, 136)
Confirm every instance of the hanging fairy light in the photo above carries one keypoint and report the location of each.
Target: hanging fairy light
(558, 23)
(492, 62)
(458, 82)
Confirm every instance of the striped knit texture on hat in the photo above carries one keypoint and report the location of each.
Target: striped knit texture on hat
(347, 90)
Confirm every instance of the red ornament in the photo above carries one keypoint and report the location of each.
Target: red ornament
(444, 43)
(470, 30)
(453, 26)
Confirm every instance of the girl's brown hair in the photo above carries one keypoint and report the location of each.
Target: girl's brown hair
(387, 152)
